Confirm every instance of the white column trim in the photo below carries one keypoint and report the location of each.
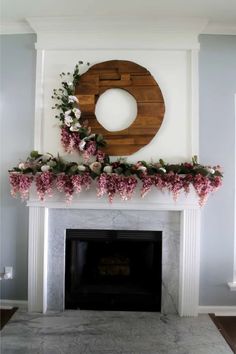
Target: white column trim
(232, 285)
(39, 101)
(194, 101)
(36, 259)
(45, 260)
(189, 263)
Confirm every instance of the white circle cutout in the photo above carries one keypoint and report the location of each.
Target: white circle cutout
(116, 109)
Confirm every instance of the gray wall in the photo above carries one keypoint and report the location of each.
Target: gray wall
(217, 126)
(217, 145)
(17, 81)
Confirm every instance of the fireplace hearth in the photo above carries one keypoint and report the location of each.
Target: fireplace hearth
(113, 270)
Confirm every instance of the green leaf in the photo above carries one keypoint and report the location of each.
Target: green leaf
(34, 154)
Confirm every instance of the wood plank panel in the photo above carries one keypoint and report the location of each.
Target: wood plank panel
(136, 80)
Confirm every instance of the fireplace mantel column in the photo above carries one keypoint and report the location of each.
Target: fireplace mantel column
(189, 262)
(37, 257)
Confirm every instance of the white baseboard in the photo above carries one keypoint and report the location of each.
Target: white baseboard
(14, 303)
(232, 286)
(218, 310)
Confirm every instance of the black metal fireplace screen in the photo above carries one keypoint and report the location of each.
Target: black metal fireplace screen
(113, 270)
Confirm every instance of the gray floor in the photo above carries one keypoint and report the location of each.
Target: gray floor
(96, 332)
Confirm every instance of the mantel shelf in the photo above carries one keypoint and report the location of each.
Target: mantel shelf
(154, 200)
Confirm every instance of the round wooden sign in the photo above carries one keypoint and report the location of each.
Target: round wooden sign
(136, 80)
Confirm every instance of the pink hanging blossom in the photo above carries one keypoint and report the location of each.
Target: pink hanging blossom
(70, 140)
(160, 181)
(216, 183)
(102, 184)
(100, 156)
(80, 181)
(107, 184)
(174, 184)
(21, 184)
(126, 186)
(89, 150)
(14, 179)
(187, 181)
(203, 187)
(148, 182)
(44, 184)
(64, 184)
(66, 139)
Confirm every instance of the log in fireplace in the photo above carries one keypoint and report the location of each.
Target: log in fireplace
(113, 270)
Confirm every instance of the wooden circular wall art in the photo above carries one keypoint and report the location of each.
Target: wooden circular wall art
(136, 80)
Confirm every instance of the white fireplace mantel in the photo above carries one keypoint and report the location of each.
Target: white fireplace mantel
(155, 201)
(170, 51)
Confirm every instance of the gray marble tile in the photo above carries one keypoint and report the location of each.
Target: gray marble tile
(61, 219)
(101, 332)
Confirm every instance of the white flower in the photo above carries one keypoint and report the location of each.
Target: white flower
(162, 169)
(81, 168)
(77, 112)
(68, 120)
(90, 136)
(95, 167)
(142, 168)
(75, 127)
(108, 169)
(46, 157)
(67, 113)
(21, 165)
(45, 168)
(72, 99)
(82, 145)
(70, 83)
(211, 170)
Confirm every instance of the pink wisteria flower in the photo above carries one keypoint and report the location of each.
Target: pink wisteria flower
(70, 140)
(174, 183)
(44, 184)
(204, 186)
(112, 184)
(64, 184)
(90, 150)
(107, 184)
(100, 156)
(126, 186)
(20, 184)
(148, 182)
(80, 181)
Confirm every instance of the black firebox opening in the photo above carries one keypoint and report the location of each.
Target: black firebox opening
(113, 270)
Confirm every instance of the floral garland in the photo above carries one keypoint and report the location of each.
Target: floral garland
(112, 178)
(75, 133)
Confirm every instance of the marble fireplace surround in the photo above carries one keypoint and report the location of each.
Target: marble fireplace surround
(178, 221)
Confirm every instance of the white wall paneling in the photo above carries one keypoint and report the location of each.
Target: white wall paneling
(232, 285)
(169, 52)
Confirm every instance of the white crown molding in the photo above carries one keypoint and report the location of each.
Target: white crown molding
(71, 33)
(15, 27)
(220, 28)
(75, 24)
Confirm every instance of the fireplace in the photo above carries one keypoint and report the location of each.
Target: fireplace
(113, 270)
(178, 223)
